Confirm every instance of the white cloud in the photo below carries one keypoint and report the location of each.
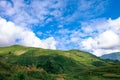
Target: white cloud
(105, 43)
(11, 34)
(106, 38)
(87, 44)
(89, 8)
(23, 12)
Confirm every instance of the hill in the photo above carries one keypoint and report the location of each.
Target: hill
(28, 56)
(112, 56)
(28, 63)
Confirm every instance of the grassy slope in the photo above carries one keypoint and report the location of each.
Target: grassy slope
(100, 73)
(71, 65)
(17, 72)
(79, 56)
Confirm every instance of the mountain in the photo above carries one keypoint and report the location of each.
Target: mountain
(28, 63)
(112, 56)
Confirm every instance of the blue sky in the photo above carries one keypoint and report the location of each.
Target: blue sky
(89, 25)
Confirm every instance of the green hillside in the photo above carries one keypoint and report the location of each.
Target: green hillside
(100, 73)
(28, 63)
(14, 54)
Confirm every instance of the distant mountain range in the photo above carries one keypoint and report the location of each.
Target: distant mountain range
(111, 56)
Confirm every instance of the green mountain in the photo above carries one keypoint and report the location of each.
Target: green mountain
(112, 56)
(28, 63)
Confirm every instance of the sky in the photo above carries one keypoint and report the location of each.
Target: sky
(88, 25)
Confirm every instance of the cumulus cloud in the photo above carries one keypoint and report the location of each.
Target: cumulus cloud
(104, 43)
(107, 38)
(11, 34)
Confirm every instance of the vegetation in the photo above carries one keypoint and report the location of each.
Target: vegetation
(27, 63)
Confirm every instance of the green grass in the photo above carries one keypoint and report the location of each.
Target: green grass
(84, 58)
(100, 73)
(28, 63)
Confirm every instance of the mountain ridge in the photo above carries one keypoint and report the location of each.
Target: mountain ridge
(112, 56)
